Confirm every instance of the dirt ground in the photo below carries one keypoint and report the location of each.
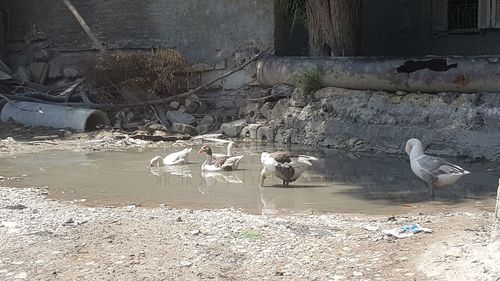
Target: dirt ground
(41, 239)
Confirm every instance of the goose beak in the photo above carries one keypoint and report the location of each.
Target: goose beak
(200, 151)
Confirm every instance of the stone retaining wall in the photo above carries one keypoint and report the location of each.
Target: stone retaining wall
(448, 124)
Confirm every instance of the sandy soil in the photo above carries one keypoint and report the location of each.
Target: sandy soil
(41, 239)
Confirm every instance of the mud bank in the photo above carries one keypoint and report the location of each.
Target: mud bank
(465, 125)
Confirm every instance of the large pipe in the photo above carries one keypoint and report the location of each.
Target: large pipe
(55, 116)
(427, 74)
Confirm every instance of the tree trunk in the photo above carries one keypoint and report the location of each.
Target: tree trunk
(334, 27)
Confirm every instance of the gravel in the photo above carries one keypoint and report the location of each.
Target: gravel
(48, 239)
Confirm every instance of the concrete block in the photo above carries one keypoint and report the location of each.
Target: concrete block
(174, 105)
(207, 120)
(299, 98)
(233, 129)
(267, 110)
(185, 129)
(250, 131)
(280, 109)
(181, 117)
(265, 133)
(251, 111)
(203, 129)
(191, 105)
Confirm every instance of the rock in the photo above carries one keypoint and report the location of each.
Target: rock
(174, 104)
(250, 131)
(191, 105)
(42, 55)
(251, 111)
(70, 73)
(267, 110)
(282, 91)
(155, 126)
(265, 133)
(357, 273)
(22, 74)
(54, 70)
(279, 109)
(299, 98)
(203, 129)
(207, 120)
(184, 128)
(38, 71)
(202, 107)
(181, 118)
(233, 129)
(21, 275)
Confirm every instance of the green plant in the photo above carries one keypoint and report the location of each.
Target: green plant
(294, 9)
(309, 80)
(251, 234)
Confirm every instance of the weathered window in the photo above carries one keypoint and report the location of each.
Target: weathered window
(465, 15)
(462, 14)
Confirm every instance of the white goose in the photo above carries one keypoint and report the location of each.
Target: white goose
(176, 158)
(226, 163)
(230, 146)
(436, 172)
(284, 165)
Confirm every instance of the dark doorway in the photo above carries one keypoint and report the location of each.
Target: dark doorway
(290, 33)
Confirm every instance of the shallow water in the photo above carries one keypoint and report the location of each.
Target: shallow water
(338, 182)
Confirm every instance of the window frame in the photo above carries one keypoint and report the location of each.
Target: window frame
(488, 17)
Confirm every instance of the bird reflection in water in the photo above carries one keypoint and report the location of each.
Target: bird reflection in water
(211, 178)
(181, 171)
(268, 207)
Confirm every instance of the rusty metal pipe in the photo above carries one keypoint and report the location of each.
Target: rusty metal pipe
(425, 74)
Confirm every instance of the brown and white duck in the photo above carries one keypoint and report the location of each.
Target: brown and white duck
(225, 163)
(284, 165)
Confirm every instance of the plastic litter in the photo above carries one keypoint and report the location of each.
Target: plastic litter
(406, 230)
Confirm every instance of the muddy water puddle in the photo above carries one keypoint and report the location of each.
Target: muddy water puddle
(339, 182)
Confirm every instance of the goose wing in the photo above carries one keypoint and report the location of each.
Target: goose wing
(284, 165)
(436, 166)
(231, 162)
(176, 156)
(287, 157)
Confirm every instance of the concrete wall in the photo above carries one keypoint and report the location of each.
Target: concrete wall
(206, 31)
(404, 28)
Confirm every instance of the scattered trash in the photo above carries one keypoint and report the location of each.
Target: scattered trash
(406, 231)
(370, 227)
(16, 207)
(72, 222)
(185, 263)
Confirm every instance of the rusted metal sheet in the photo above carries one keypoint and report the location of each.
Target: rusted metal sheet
(425, 74)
